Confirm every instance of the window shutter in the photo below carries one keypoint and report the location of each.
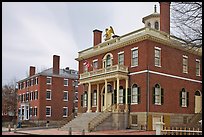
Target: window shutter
(115, 96)
(153, 95)
(138, 89)
(91, 98)
(129, 95)
(86, 99)
(187, 99)
(123, 96)
(82, 100)
(162, 96)
(180, 97)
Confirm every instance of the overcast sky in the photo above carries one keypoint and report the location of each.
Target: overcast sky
(32, 32)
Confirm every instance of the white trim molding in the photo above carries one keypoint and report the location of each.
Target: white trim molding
(167, 75)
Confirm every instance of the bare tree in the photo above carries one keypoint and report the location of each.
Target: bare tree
(9, 99)
(186, 22)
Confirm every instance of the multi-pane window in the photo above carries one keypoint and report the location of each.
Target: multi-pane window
(135, 94)
(48, 111)
(27, 96)
(31, 111)
(197, 67)
(49, 80)
(85, 100)
(184, 98)
(108, 61)
(94, 98)
(157, 57)
(36, 80)
(36, 95)
(35, 111)
(134, 119)
(65, 111)
(185, 64)
(134, 61)
(121, 95)
(48, 95)
(158, 95)
(121, 58)
(65, 97)
(95, 64)
(65, 82)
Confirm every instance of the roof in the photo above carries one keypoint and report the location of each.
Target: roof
(155, 14)
(65, 73)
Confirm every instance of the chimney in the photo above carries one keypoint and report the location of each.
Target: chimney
(32, 71)
(97, 36)
(165, 17)
(56, 62)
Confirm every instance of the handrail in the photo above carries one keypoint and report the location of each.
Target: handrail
(65, 121)
(100, 118)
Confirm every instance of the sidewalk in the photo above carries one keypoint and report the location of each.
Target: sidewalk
(55, 131)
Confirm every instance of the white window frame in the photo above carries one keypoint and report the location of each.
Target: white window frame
(94, 61)
(66, 111)
(36, 94)
(119, 59)
(85, 100)
(94, 99)
(121, 96)
(29, 111)
(157, 96)
(50, 94)
(66, 79)
(35, 111)
(184, 99)
(24, 97)
(36, 81)
(159, 57)
(50, 80)
(137, 57)
(49, 107)
(185, 65)
(136, 95)
(198, 73)
(67, 96)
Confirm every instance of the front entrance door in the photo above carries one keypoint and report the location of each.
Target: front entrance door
(156, 119)
(108, 98)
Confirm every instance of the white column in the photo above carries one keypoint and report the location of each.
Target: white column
(89, 98)
(97, 109)
(126, 95)
(105, 103)
(118, 83)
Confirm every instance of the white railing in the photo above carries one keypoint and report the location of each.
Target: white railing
(181, 131)
(115, 68)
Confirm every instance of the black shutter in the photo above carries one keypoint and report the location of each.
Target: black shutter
(180, 98)
(162, 96)
(82, 100)
(129, 95)
(138, 97)
(123, 96)
(153, 95)
(115, 96)
(86, 99)
(187, 98)
(91, 98)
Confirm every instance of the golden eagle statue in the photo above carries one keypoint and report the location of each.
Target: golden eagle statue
(109, 33)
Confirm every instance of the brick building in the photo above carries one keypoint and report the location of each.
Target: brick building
(48, 95)
(148, 74)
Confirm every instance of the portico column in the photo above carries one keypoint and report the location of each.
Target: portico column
(118, 83)
(126, 95)
(97, 108)
(105, 103)
(89, 98)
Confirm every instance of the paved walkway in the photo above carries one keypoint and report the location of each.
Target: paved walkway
(55, 131)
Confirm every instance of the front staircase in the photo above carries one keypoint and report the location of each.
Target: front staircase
(81, 122)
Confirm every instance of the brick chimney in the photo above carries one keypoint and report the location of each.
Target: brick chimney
(165, 17)
(32, 71)
(97, 36)
(56, 62)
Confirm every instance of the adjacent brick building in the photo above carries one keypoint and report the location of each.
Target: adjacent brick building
(48, 95)
(147, 73)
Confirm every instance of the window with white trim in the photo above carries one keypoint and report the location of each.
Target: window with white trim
(65, 111)
(35, 111)
(95, 64)
(121, 95)
(66, 82)
(134, 59)
(94, 98)
(121, 58)
(49, 80)
(184, 97)
(158, 95)
(65, 97)
(85, 100)
(135, 98)
(185, 64)
(108, 61)
(157, 57)
(48, 111)
(197, 67)
(48, 95)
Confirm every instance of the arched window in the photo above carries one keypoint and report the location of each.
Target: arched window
(158, 93)
(149, 24)
(156, 25)
(184, 98)
(107, 60)
(135, 98)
